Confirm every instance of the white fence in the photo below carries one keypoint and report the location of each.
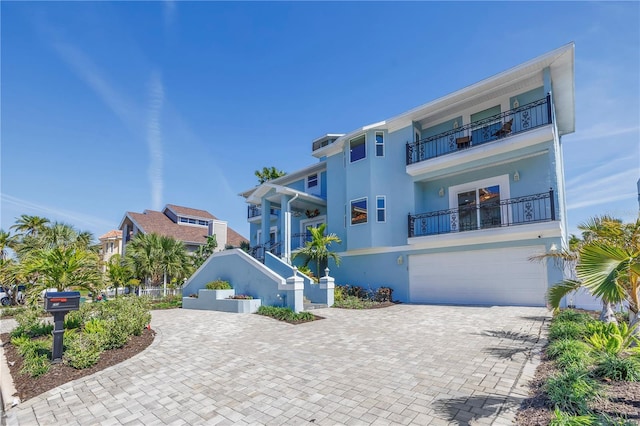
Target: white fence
(158, 293)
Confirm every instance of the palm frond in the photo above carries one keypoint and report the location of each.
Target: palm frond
(560, 290)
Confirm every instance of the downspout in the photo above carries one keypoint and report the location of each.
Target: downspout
(287, 230)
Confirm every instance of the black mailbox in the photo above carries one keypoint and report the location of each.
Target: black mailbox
(59, 303)
(62, 301)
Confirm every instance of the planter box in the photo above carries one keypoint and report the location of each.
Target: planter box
(218, 300)
(241, 306)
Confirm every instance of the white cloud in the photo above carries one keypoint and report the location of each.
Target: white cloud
(590, 189)
(169, 10)
(154, 139)
(77, 219)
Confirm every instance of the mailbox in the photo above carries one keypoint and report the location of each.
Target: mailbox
(59, 303)
(62, 301)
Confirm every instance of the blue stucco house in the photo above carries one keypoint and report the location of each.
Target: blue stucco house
(445, 203)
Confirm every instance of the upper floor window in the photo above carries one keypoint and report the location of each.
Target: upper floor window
(359, 211)
(381, 208)
(312, 181)
(203, 222)
(379, 144)
(358, 149)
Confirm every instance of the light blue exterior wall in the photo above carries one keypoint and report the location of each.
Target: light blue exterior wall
(527, 97)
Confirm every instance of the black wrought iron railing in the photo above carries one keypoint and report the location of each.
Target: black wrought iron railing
(299, 240)
(509, 212)
(256, 211)
(499, 126)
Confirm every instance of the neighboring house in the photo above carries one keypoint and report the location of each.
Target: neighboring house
(110, 244)
(445, 203)
(191, 226)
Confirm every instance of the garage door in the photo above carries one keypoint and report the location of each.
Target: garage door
(482, 277)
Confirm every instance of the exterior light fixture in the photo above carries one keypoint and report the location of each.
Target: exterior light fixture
(441, 192)
(516, 176)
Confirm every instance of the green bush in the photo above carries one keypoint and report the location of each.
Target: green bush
(338, 294)
(218, 285)
(573, 316)
(571, 391)
(612, 338)
(353, 302)
(30, 323)
(564, 419)
(616, 367)
(73, 320)
(11, 312)
(561, 346)
(35, 365)
(285, 314)
(566, 330)
(84, 350)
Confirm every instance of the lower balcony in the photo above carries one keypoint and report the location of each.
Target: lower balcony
(494, 214)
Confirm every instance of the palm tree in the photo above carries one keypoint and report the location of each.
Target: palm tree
(156, 257)
(203, 252)
(30, 225)
(317, 248)
(6, 241)
(607, 263)
(118, 272)
(268, 173)
(64, 267)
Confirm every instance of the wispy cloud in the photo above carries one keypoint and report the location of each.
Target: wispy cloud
(169, 11)
(154, 138)
(595, 190)
(94, 77)
(604, 131)
(55, 213)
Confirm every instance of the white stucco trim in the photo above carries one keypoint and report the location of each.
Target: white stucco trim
(457, 239)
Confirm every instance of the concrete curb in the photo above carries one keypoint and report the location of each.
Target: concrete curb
(8, 397)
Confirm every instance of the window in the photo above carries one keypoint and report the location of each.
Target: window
(111, 247)
(357, 148)
(312, 181)
(202, 222)
(379, 144)
(359, 211)
(381, 209)
(184, 220)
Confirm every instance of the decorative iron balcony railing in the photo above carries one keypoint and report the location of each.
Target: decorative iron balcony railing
(514, 211)
(256, 211)
(499, 126)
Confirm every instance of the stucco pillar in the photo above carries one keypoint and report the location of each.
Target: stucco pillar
(285, 227)
(327, 285)
(266, 221)
(295, 291)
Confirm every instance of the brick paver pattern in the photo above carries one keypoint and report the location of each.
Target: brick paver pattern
(406, 364)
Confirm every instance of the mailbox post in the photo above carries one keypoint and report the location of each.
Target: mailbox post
(59, 303)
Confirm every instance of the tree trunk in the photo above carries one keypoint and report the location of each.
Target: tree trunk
(607, 315)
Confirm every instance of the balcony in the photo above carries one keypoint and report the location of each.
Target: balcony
(522, 119)
(254, 211)
(509, 212)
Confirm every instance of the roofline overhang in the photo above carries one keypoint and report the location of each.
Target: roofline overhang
(289, 178)
(265, 188)
(555, 59)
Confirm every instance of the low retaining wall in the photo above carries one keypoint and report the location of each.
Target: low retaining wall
(218, 300)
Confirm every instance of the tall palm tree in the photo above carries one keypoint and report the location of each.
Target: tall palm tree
(156, 258)
(268, 173)
(6, 241)
(30, 225)
(317, 249)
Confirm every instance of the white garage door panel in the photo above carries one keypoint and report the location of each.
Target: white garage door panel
(483, 277)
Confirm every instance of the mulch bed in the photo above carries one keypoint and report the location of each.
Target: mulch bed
(621, 399)
(27, 387)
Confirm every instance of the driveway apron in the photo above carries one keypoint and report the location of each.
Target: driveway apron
(405, 364)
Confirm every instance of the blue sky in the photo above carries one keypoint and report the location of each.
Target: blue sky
(109, 107)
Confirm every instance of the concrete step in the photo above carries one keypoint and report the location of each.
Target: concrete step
(312, 306)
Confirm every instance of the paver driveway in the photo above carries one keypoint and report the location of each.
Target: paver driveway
(406, 364)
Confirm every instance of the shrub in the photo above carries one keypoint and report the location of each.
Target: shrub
(73, 320)
(566, 330)
(285, 314)
(308, 272)
(11, 312)
(95, 325)
(31, 324)
(339, 293)
(84, 350)
(353, 302)
(241, 297)
(612, 338)
(564, 419)
(27, 347)
(615, 367)
(383, 294)
(218, 285)
(571, 391)
(561, 346)
(573, 316)
(35, 365)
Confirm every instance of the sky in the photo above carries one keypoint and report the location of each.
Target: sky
(109, 107)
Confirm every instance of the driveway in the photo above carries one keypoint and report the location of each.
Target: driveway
(406, 364)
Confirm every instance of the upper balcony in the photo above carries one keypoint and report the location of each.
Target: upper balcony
(254, 213)
(490, 130)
